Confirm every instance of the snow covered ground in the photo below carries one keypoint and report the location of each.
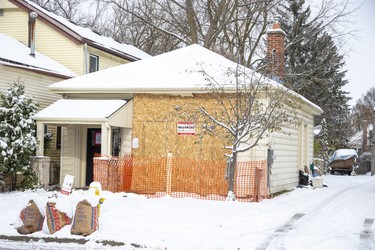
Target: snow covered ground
(339, 216)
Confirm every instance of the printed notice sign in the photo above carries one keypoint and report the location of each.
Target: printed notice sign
(185, 128)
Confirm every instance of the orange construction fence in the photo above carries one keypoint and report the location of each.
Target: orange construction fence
(180, 177)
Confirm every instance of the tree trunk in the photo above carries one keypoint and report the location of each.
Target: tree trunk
(13, 181)
(231, 175)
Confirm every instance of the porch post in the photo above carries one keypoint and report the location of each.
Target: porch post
(40, 137)
(106, 139)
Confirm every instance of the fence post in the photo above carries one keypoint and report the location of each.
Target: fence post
(169, 174)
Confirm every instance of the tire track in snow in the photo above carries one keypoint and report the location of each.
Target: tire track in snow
(280, 232)
(279, 235)
(367, 235)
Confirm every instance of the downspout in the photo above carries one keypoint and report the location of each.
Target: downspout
(86, 58)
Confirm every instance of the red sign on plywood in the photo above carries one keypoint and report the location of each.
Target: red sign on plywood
(185, 128)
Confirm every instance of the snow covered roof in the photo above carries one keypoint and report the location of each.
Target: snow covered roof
(79, 110)
(16, 54)
(85, 35)
(176, 72)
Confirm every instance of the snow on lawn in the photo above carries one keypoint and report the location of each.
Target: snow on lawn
(186, 223)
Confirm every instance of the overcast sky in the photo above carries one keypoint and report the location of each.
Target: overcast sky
(360, 62)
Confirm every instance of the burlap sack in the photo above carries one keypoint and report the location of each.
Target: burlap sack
(32, 219)
(55, 219)
(85, 219)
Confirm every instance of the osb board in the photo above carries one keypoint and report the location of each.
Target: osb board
(155, 125)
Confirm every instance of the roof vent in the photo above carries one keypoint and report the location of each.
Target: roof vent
(32, 19)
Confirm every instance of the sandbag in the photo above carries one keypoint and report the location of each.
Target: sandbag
(85, 219)
(32, 219)
(55, 219)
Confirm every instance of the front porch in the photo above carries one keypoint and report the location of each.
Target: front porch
(88, 127)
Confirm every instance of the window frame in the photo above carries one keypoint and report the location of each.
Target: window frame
(92, 67)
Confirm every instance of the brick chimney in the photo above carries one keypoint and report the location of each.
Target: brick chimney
(275, 51)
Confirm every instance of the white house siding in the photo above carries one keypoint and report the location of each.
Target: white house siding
(58, 47)
(4, 4)
(36, 87)
(35, 84)
(14, 23)
(126, 141)
(48, 41)
(293, 150)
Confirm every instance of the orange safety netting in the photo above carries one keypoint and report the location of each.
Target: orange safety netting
(113, 173)
(251, 181)
(180, 177)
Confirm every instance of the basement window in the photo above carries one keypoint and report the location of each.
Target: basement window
(94, 63)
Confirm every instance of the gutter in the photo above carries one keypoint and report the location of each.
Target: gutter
(86, 58)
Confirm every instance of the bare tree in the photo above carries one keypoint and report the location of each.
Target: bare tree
(86, 13)
(234, 29)
(364, 110)
(247, 107)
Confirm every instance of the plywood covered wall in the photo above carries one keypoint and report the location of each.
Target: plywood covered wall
(155, 127)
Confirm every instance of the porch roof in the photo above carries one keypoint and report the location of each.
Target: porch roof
(83, 111)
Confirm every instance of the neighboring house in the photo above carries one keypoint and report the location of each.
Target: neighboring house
(79, 49)
(35, 72)
(111, 114)
(360, 141)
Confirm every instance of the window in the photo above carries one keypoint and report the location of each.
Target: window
(94, 63)
(1, 12)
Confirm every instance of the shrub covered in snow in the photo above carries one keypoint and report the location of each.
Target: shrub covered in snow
(17, 134)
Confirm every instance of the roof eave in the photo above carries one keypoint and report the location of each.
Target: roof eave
(179, 91)
(111, 51)
(30, 68)
(64, 120)
(55, 24)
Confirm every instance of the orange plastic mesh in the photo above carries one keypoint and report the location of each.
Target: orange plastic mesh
(199, 177)
(180, 177)
(251, 181)
(114, 173)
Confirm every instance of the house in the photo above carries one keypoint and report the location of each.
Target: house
(35, 72)
(38, 71)
(78, 49)
(360, 141)
(111, 114)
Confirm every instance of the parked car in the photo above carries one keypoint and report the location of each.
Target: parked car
(342, 161)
